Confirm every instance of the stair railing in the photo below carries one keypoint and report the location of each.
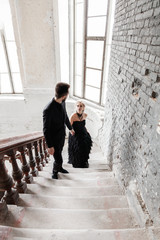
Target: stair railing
(31, 150)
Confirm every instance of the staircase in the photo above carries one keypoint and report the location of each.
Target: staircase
(85, 204)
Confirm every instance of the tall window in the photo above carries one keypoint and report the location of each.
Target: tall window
(90, 28)
(10, 80)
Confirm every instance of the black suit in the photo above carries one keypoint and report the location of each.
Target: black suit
(54, 120)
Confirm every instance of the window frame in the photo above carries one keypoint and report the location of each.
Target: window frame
(4, 45)
(84, 57)
(2, 36)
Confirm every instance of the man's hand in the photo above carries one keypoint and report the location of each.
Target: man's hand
(72, 132)
(51, 151)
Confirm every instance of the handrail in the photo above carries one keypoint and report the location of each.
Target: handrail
(10, 143)
(18, 184)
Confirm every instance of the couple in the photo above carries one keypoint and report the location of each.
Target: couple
(54, 120)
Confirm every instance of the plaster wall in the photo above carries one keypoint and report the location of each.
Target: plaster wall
(35, 25)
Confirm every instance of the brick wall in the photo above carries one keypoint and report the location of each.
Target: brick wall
(129, 137)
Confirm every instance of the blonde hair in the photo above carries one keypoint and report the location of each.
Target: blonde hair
(80, 101)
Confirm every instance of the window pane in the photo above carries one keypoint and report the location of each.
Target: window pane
(78, 55)
(79, 1)
(17, 83)
(13, 58)
(79, 16)
(78, 86)
(97, 7)
(8, 51)
(95, 54)
(5, 84)
(3, 63)
(6, 19)
(9, 34)
(92, 93)
(93, 77)
(96, 26)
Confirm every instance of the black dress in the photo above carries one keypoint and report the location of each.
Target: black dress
(79, 145)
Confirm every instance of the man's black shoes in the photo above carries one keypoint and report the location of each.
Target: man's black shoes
(55, 175)
(63, 170)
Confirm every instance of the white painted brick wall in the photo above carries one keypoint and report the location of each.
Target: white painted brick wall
(129, 137)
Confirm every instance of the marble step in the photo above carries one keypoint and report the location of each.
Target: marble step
(69, 219)
(93, 163)
(47, 173)
(156, 233)
(5, 232)
(22, 238)
(89, 234)
(40, 201)
(94, 167)
(41, 188)
(66, 180)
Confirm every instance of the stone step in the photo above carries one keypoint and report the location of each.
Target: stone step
(93, 167)
(5, 232)
(40, 201)
(66, 180)
(22, 238)
(73, 191)
(70, 219)
(156, 233)
(89, 234)
(47, 172)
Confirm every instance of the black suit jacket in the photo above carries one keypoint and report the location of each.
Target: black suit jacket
(54, 120)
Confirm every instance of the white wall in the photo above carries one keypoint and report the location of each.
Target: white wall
(35, 25)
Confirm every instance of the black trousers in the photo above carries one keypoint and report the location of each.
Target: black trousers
(58, 160)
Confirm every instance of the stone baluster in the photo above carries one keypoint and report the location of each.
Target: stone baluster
(45, 151)
(37, 156)
(11, 195)
(25, 167)
(32, 161)
(42, 153)
(17, 174)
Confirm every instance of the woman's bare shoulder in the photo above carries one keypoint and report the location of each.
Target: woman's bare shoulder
(73, 115)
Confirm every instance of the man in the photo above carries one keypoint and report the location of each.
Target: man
(54, 120)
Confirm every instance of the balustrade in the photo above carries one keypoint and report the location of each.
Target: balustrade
(38, 157)
(25, 166)
(3, 210)
(32, 161)
(46, 154)
(42, 152)
(11, 195)
(11, 187)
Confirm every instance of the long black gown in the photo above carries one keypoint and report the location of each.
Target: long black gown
(79, 145)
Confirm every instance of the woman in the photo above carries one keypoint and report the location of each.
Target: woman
(79, 145)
